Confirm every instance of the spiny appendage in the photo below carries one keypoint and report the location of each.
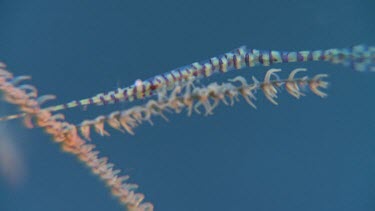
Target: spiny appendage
(193, 99)
(25, 96)
(358, 57)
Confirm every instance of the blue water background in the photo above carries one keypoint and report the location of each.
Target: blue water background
(303, 155)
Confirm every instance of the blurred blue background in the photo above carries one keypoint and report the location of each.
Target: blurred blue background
(308, 154)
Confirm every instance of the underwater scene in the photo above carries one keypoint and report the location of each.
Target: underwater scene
(187, 105)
